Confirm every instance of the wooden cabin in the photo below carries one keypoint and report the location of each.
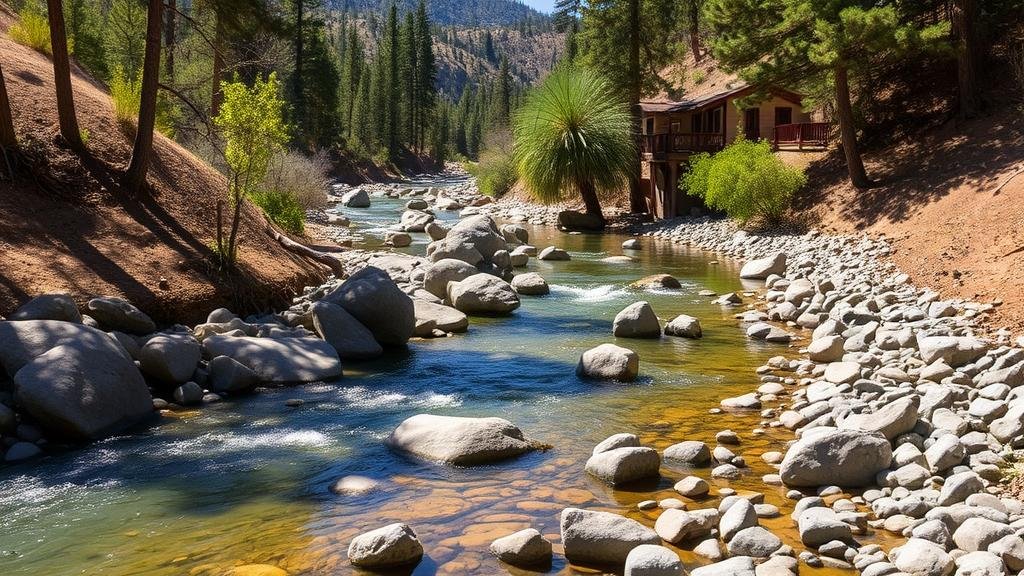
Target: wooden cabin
(673, 131)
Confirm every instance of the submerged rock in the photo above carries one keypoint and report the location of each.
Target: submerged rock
(609, 362)
(392, 546)
(524, 548)
(459, 441)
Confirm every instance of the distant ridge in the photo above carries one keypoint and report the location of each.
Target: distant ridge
(453, 12)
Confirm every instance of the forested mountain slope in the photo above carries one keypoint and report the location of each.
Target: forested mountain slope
(460, 12)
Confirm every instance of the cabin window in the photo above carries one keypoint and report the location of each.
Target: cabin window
(677, 127)
(713, 124)
(695, 122)
(649, 129)
(783, 115)
(752, 124)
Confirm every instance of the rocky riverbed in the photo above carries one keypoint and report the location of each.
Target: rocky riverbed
(901, 408)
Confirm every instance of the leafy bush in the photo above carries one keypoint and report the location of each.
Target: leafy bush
(745, 180)
(304, 178)
(281, 207)
(33, 30)
(126, 94)
(496, 172)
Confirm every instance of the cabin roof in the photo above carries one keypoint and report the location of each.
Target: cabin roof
(711, 99)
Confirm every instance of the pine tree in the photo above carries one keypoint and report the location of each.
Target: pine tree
(391, 86)
(426, 73)
(503, 95)
(138, 165)
(362, 134)
(407, 64)
(62, 77)
(351, 79)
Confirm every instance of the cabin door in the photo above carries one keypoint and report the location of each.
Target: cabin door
(752, 124)
(783, 115)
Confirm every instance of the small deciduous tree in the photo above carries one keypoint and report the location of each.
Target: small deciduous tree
(251, 121)
(745, 180)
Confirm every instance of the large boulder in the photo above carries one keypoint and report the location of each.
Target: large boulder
(891, 420)
(357, 198)
(278, 360)
(118, 314)
(437, 275)
(228, 375)
(415, 220)
(573, 220)
(690, 452)
(524, 548)
(379, 304)
(530, 284)
(624, 465)
(602, 538)
(684, 326)
(920, 556)
(609, 362)
(480, 232)
(22, 341)
(847, 458)
(459, 441)
(762, 268)
(483, 294)
(819, 525)
(388, 547)
(651, 560)
(348, 336)
(170, 358)
(953, 350)
(444, 317)
(636, 321)
(79, 391)
(49, 307)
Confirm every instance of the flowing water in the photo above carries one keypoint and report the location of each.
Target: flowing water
(246, 481)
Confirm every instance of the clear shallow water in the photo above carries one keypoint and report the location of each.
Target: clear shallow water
(246, 481)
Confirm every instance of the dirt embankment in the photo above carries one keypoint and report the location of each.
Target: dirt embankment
(67, 225)
(952, 201)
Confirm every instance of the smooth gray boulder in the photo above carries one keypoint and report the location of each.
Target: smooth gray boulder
(651, 560)
(602, 538)
(846, 458)
(78, 391)
(459, 441)
(379, 304)
(357, 198)
(819, 525)
(739, 516)
(958, 487)
(483, 294)
(479, 232)
(392, 546)
(826, 349)
(553, 254)
(415, 220)
(692, 452)
(444, 317)
(684, 326)
(624, 465)
(762, 268)
(119, 314)
(49, 307)
(735, 566)
(754, 541)
(22, 341)
(953, 350)
(349, 338)
(609, 362)
(524, 548)
(170, 358)
(437, 276)
(530, 284)
(922, 557)
(977, 534)
(435, 231)
(188, 394)
(893, 419)
(278, 360)
(621, 440)
(228, 375)
(636, 321)
(675, 525)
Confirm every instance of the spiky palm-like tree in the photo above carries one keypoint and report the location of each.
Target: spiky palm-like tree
(573, 135)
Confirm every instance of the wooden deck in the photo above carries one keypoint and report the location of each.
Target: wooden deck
(815, 135)
(660, 146)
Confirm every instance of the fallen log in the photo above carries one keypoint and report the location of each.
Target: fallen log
(301, 249)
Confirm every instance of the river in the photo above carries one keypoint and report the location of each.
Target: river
(246, 481)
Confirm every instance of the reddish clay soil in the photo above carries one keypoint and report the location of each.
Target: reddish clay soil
(940, 201)
(67, 225)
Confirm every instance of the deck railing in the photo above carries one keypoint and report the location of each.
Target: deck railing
(659, 145)
(816, 134)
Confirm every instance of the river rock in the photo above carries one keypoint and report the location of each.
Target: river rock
(398, 239)
(978, 533)
(602, 538)
(922, 557)
(524, 548)
(480, 232)
(819, 525)
(657, 281)
(188, 394)
(118, 314)
(49, 307)
(826, 349)
(736, 566)
(442, 250)
(842, 372)
(624, 465)
(373, 298)
(739, 516)
(459, 441)
(684, 326)
(530, 284)
(651, 560)
(953, 350)
(483, 294)
(958, 487)
(636, 321)
(435, 231)
(762, 268)
(609, 362)
(846, 458)
(892, 420)
(573, 220)
(354, 486)
(515, 234)
(444, 317)
(675, 525)
(20, 451)
(551, 254)
(754, 541)
(228, 375)
(437, 275)
(170, 358)
(692, 452)
(357, 198)
(388, 547)
(79, 391)
(692, 486)
(22, 341)
(348, 336)
(278, 360)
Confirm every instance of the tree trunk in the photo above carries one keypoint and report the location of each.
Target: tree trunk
(637, 203)
(169, 41)
(590, 202)
(695, 30)
(965, 13)
(300, 111)
(138, 166)
(7, 138)
(848, 132)
(62, 77)
(217, 97)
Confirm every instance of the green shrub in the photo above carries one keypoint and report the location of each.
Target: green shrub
(495, 171)
(283, 208)
(127, 95)
(745, 180)
(33, 30)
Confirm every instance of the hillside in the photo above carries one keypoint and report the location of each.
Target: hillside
(460, 12)
(462, 56)
(69, 226)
